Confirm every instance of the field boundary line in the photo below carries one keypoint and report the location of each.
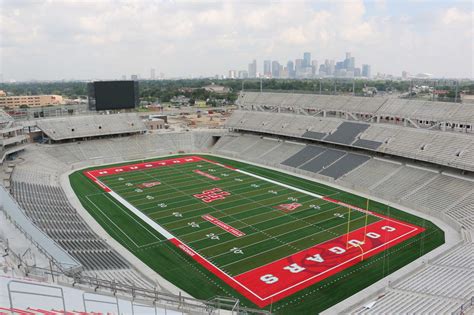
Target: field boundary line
(346, 261)
(299, 239)
(142, 216)
(264, 221)
(321, 230)
(111, 221)
(219, 271)
(139, 223)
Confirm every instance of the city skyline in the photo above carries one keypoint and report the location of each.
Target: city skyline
(303, 68)
(56, 39)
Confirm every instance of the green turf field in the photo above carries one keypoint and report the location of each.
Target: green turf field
(251, 206)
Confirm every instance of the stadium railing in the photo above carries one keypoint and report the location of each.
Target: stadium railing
(60, 274)
(465, 307)
(137, 295)
(42, 241)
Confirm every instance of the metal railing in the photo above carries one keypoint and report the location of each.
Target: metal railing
(145, 297)
(152, 298)
(50, 249)
(465, 307)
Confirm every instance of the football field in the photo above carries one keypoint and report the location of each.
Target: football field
(264, 238)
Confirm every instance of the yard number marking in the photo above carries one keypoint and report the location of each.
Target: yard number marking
(213, 236)
(237, 250)
(193, 224)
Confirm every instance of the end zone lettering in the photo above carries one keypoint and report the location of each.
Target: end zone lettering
(290, 274)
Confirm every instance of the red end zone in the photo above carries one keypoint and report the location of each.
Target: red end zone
(281, 278)
(94, 174)
(140, 166)
(286, 276)
(274, 281)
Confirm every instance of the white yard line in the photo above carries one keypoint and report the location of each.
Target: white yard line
(271, 198)
(279, 226)
(169, 236)
(142, 216)
(252, 216)
(280, 184)
(123, 232)
(273, 248)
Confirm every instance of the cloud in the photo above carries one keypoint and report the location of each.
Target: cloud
(294, 35)
(454, 16)
(205, 38)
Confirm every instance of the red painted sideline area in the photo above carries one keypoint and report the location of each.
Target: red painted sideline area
(223, 225)
(218, 164)
(98, 182)
(94, 174)
(141, 166)
(279, 279)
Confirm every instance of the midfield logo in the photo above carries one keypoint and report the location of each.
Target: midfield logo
(288, 207)
(212, 195)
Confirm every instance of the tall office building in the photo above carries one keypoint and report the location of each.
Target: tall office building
(134, 77)
(290, 66)
(322, 70)
(331, 67)
(351, 64)
(253, 69)
(232, 74)
(243, 74)
(327, 67)
(307, 59)
(299, 67)
(366, 71)
(267, 68)
(314, 68)
(275, 69)
(152, 74)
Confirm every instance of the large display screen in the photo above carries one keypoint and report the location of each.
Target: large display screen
(108, 95)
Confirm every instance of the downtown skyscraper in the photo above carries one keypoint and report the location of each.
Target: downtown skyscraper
(307, 68)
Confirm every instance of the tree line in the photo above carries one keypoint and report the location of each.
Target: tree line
(165, 90)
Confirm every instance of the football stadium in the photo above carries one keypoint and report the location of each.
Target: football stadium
(297, 204)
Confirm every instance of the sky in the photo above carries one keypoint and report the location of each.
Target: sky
(105, 39)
